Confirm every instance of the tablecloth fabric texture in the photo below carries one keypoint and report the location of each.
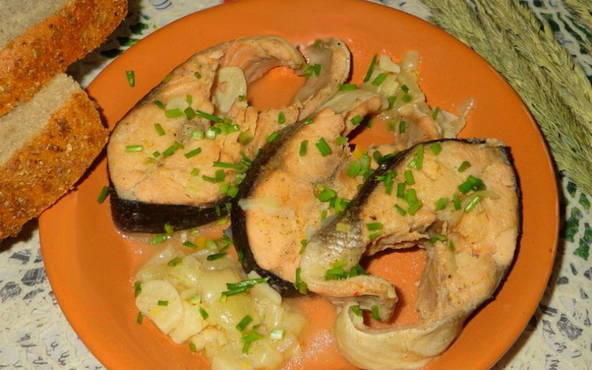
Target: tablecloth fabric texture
(34, 333)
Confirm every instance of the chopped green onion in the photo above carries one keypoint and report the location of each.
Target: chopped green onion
(391, 101)
(300, 285)
(209, 117)
(168, 229)
(463, 166)
(400, 209)
(355, 120)
(451, 245)
(388, 179)
(303, 148)
(473, 201)
(407, 98)
(134, 148)
(277, 334)
(159, 239)
(215, 256)
(159, 104)
(435, 112)
(249, 338)
(357, 270)
(409, 179)
(195, 172)
(456, 201)
(212, 132)
(405, 88)
(197, 134)
(175, 261)
(235, 166)
(402, 127)
(471, 183)
(370, 68)
(189, 113)
(323, 147)
(131, 78)
(189, 244)
(137, 288)
(441, 203)
(375, 312)
(347, 87)
(246, 284)
(356, 310)
(412, 201)
(390, 125)
(417, 161)
(374, 235)
(218, 177)
(140, 317)
(303, 244)
(336, 272)
(163, 303)
(103, 194)
(436, 148)
(354, 169)
(245, 137)
(281, 118)
(242, 98)
(204, 314)
(245, 321)
(401, 190)
(197, 75)
(372, 226)
(326, 194)
(438, 238)
(377, 156)
(189, 99)
(159, 130)
(274, 135)
(172, 149)
(312, 69)
(156, 154)
(379, 79)
(308, 121)
(192, 153)
(173, 113)
(192, 347)
(341, 140)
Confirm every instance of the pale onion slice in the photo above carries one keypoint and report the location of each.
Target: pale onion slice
(231, 84)
(165, 315)
(190, 324)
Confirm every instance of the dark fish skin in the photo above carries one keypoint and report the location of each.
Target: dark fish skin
(135, 216)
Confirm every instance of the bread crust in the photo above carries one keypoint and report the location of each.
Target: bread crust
(50, 163)
(47, 48)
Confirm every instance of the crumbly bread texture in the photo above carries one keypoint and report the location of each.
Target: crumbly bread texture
(47, 144)
(40, 38)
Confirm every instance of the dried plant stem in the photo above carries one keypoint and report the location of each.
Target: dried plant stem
(525, 51)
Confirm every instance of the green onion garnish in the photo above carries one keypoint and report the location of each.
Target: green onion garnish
(276, 334)
(388, 179)
(323, 147)
(435, 112)
(245, 137)
(134, 148)
(140, 318)
(356, 120)
(197, 134)
(456, 201)
(402, 127)
(189, 113)
(372, 226)
(473, 201)
(379, 79)
(441, 203)
(341, 140)
(391, 101)
(235, 166)
(175, 261)
(303, 148)
(451, 246)
(406, 98)
(438, 238)
(300, 285)
(463, 166)
(173, 113)
(471, 183)
(168, 229)
(195, 172)
(163, 303)
(159, 239)
(375, 312)
(274, 135)
(312, 69)
(103, 194)
(248, 283)
(131, 78)
(401, 190)
(242, 98)
(326, 194)
(405, 88)
(172, 149)
(159, 129)
(281, 118)
(215, 256)
(192, 347)
(249, 338)
(159, 104)
(245, 321)
(356, 310)
(189, 99)
(303, 244)
(137, 288)
(400, 209)
(308, 121)
(189, 244)
(370, 68)
(412, 201)
(209, 117)
(436, 148)
(374, 235)
(197, 75)
(192, 153)
(417, 161)
(347, 87)
(204, 314)
(409, 179)
(212, 132)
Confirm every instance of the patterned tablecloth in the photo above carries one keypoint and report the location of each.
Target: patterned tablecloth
(35, 335)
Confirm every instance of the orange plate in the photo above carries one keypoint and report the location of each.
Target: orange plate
(91, 266)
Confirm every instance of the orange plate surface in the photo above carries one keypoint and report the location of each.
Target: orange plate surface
(91, 266)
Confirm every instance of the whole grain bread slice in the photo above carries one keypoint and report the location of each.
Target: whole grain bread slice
(40, 38)
(46, 145)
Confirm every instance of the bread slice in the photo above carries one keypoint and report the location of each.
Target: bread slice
(46, 145)
(40, 38)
